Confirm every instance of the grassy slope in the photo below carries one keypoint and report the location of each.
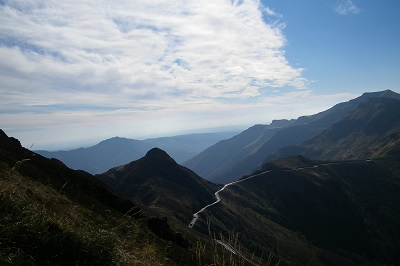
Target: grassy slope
(370, 131)
(40, 226)
(53, 215)
(312, 217)
(345, 213)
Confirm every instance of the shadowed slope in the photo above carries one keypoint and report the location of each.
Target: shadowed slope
(345, 212)
(77, 184)
(159, 182)
(52, 215)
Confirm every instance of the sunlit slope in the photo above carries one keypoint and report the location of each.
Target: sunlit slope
(370, 131)
(227, 161)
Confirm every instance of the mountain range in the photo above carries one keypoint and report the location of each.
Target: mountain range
(219, 157)
(118, 151)
(370, 131)
(330, 197)
(230, 159)
(298, 210)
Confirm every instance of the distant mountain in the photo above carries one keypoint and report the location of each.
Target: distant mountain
(118, 151)
(102, 156)
(239, 160)
(220, 157)
(157, 181)
(184, 147)
(370, 131)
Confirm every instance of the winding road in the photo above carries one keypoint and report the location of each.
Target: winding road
(196, 215)
(226, 245)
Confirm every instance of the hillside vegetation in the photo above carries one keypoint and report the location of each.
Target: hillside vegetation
(370, 131)
(51, 215)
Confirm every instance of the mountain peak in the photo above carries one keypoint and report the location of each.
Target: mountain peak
(158, 155)
(281, 122)
(7, 139)
(378, 94)
(114, 140)
(3, 135)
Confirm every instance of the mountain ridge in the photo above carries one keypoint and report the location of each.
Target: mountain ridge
(298, 131)
(53, 215)
(119, 150)
(158, 174)
(233, 150)
(319, 212)
(297, 210)
(367, 132)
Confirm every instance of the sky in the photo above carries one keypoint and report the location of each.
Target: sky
(73, 73)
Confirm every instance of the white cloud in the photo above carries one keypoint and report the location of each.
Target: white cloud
(346, 8)
(135, 45)
(101, 59)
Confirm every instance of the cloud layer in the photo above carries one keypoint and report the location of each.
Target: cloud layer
(189, 49)
(80, 63)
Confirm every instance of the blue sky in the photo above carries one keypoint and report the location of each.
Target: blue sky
(76, 72)
(343, 45)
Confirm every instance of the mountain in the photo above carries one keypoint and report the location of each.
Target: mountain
(102, 156)
(347, 212)
(77, 184)
(157, 181)
(370, 131)
(52, 215)
(240, 161)
(292, 211)
(118, 151)
(184, 147)
(297, 210)
(220, 157)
